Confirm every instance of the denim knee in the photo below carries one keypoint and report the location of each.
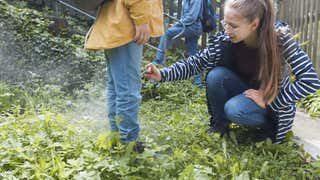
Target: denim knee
(232, 110)
(170, 33)
(242, 110)
(215, 77)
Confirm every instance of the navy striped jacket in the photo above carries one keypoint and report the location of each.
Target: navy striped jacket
(283, 107)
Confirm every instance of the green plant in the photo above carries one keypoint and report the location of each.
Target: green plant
(44, 134)
(311, 104)
(10, 96)
(29, 51)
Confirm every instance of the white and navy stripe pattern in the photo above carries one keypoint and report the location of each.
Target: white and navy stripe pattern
(306, 79)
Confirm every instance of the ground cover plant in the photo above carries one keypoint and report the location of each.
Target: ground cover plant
(48, 131)
(311, 104)
(45, 144)
(30, 53)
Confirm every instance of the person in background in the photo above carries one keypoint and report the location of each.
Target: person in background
(189, 26)
(122, 27)
(248, 80)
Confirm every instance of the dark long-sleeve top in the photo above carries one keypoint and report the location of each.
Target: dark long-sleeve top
(283, 106)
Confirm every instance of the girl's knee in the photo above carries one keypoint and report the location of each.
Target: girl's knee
(232, 110)
(241, 110)
(216, 75)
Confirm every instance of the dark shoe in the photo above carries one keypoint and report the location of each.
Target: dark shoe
(263, 134)
(219, 128)
(139, 147)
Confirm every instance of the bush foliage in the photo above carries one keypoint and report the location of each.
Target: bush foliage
(40, 141)
(29, 51)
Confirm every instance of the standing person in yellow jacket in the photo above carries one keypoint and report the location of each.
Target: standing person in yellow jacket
(123, 26)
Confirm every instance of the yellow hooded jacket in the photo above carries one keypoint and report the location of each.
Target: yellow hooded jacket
(116, 20)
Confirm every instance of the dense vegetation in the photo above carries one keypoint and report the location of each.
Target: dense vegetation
(49, 129)
(29, 52)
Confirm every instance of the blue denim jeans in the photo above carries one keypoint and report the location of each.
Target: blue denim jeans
(227, 103)
(123, 90)
(191, 34)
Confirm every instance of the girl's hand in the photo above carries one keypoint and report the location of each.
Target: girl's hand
(256, 96)
(152, 72)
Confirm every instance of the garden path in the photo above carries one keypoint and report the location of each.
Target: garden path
(307, 132)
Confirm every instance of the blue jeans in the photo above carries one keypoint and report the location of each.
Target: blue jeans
(123, 90)
(191, 34)
(227, 103)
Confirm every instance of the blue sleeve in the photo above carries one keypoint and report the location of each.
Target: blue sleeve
(191, 12)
